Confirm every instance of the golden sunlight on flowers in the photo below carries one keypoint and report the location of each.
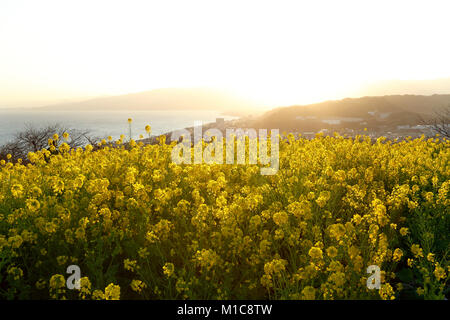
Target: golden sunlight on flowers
(112, 292)
(142, 227)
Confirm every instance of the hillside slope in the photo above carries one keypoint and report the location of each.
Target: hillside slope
(163, 99)
(383, 111)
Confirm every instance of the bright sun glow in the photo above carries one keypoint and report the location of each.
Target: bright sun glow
(276, 52)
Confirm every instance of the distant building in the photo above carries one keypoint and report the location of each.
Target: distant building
(305, 118)
(422, 127)
(308, 134)
(339, 120)
(379, 115)
(332, 121)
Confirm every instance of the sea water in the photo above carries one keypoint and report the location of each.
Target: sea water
(103, 124)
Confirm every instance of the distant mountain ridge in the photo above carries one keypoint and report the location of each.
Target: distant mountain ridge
(220, 100)
(381, 111)
(351, 106)
(163, 99)
(387, 112)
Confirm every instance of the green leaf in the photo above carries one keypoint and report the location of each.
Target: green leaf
(405, 275)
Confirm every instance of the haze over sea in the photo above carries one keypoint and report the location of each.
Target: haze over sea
(103, 124)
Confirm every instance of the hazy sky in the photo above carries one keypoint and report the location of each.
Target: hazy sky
(280, 52)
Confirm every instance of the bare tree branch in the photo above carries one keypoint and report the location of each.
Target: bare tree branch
(33, 139)
(440, 123)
